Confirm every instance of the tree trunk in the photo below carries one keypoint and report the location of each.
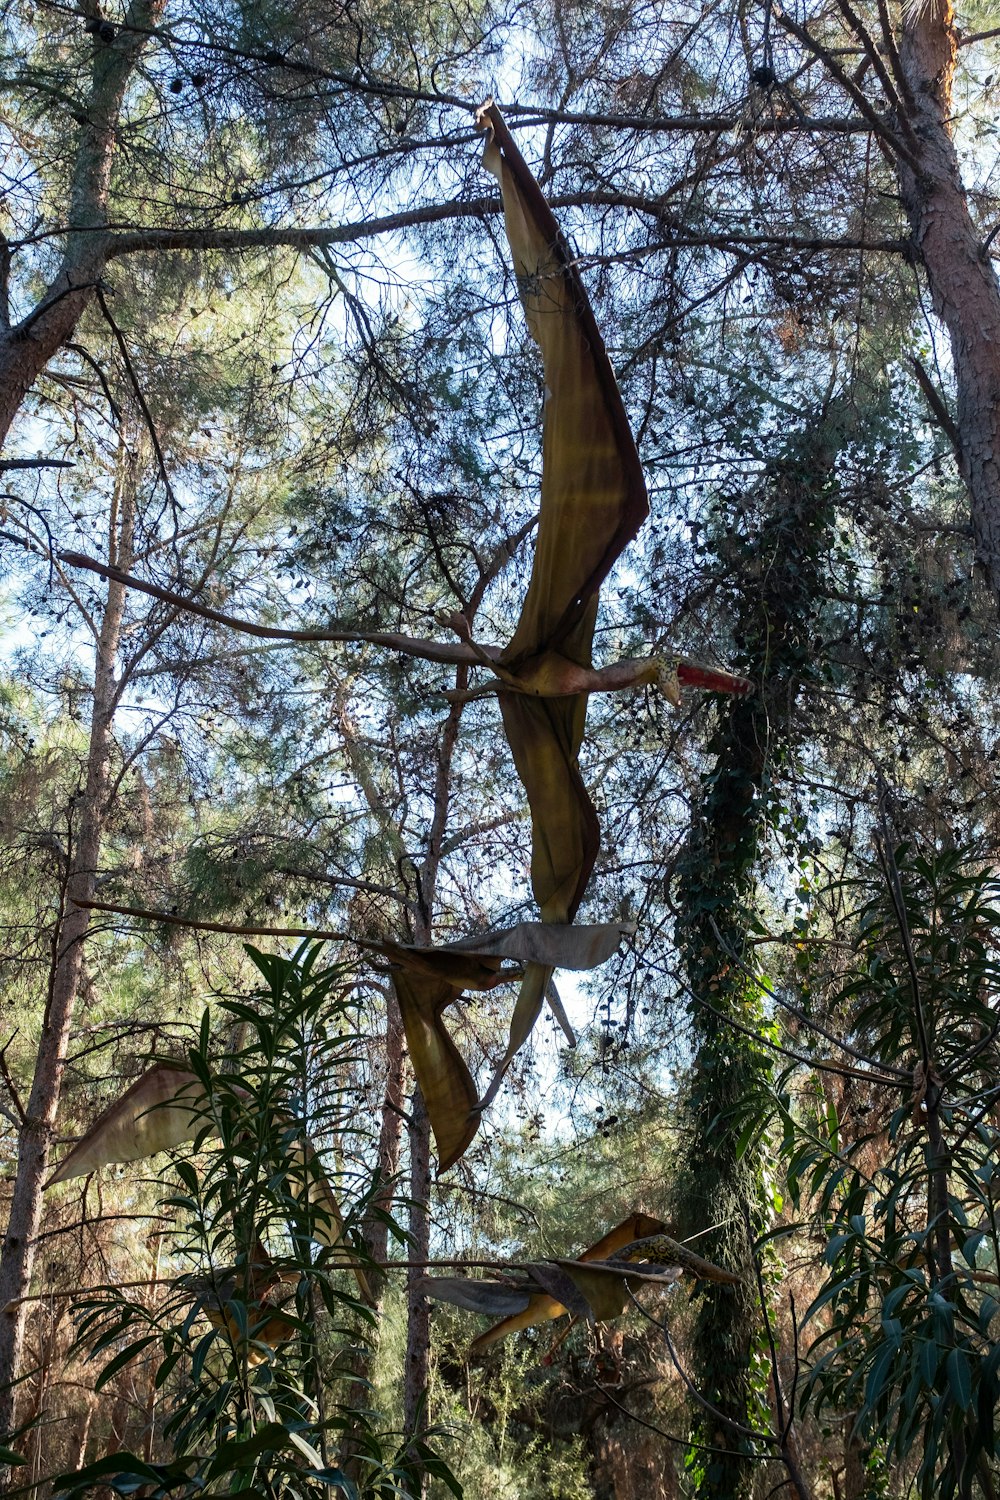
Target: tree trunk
(960, 274)
(26, 348)
(390, 1140)
(721, 1185)
(375, 1229)
(17, 1253)
(417, 1358)
(418, 1326)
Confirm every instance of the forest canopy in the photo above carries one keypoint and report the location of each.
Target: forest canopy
(500, 538)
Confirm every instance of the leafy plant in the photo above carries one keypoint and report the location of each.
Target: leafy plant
(254, 1336)
(910, 1302)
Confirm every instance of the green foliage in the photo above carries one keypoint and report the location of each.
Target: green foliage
(250, 1408)
(908, 1308)
(774, 573)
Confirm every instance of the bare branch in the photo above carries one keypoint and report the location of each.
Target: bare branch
(320, 877)
(880, 126)
(130, 242)
(147, 415)
(438, 651)
(36, 463)
(171, 919)
(5, 1074)
(944, 418)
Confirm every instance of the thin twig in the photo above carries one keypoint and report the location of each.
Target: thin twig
(887, 859)
(692, 1389)
(880, 127)
(681, 1442)
(5, 1074)
(147, 415)
(447, 1263)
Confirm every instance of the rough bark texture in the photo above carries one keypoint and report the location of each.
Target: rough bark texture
(27, 347)
(17, 1253)
(390, 1140)
(417, 1358)
(418, 1325)
(376, 1230)
(960, 275)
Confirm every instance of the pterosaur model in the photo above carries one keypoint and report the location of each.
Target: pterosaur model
(593, 503)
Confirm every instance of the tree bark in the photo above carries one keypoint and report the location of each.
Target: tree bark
(375, 1229)
(721, 1185)
(390, 1139)
(418, 1325)
(17, 1253)
(418, 1328)
(960, 274)
(417, 1358)
(26, 348)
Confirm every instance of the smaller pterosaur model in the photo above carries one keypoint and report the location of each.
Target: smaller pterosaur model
(168, 1106)
(595, 1285)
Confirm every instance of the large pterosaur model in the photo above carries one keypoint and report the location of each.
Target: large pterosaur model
(593, 503)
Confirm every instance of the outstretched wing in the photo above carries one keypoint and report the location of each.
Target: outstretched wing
(162, 1109)
(593, 493)
(166, 1107)
(593, 503)
(428, 980)
(448, 1088)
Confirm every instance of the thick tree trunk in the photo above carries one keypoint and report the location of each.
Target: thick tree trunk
(27, 347)
(960, 274)
(17, 1253)
(776, 593)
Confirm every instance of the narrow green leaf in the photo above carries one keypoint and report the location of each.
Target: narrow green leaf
(123, 1358)
(959, 1377)
(930, 1359)
(306, 1449)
